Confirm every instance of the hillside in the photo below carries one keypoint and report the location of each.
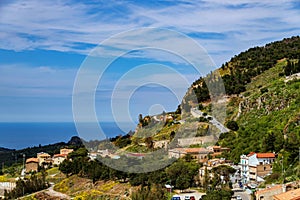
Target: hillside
(262, 85)
(262, 115)
(268, 115)
(4, 150)
(9, 156)
(263, 98)
(243, 68)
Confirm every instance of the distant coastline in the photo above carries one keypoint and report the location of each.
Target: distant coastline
(19, 135)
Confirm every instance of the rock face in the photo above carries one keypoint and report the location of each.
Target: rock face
(75, 140)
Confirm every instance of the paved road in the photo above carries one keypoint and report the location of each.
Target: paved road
(213, 121)
(196, 194)
(244, 195)
(54, 193)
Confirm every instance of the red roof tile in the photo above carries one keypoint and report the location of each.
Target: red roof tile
(262, 155)
(32, 160)
(290, 195)
(265, 155)
(60, 155)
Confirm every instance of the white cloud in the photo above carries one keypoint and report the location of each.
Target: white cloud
(61, 25)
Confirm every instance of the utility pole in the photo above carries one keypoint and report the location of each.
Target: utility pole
(282, 170)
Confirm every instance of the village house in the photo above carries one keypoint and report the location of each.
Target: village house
(218, 150)
(59, 158)
(66, 151)
(32, 165)
(199, 154)
(43, 158)
(279, 192)
(268, 193)
(216, 162)
(103, 153)
(290, 195)
(255, 166)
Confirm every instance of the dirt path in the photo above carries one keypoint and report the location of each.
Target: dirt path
(54, 193)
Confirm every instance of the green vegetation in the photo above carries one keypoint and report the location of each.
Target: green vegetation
(242, 68)
(10, 157)
(223, 194)
(28, 186)
(153, 193)
(269, 121)
(96, 171)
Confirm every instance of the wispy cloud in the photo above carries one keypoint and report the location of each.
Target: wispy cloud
(222, 27)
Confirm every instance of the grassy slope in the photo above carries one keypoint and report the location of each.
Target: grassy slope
(81, 188)
(280, 106)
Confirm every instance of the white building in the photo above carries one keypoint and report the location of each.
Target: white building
(59, 158)
(255, 166)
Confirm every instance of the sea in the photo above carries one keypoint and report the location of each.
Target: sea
(29, 134)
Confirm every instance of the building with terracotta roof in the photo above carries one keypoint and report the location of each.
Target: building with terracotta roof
(66, 151)
(218, 150)
(59, 158)
(255, 166)
(32, 165)
(200, 154)
(268, 193)
(290, 195)
(42, 157)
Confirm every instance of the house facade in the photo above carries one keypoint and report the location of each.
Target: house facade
(59, 158)
(32, 165)
(66, 151)
(42, 157)
(199, 154)
(255, 166)
(268, 193)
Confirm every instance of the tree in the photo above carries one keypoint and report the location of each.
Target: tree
(178, 110)
(224, 194)
(179, 179)
(269, 142)
(232, 125)
(141, 118)
(81, 152)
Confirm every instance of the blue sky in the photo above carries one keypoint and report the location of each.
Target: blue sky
(43, 44)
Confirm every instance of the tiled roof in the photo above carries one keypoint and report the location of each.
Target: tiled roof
(32, 160)
(265, 155)
(290, 195)
(251, 154)
(60, 155)
(262, 155)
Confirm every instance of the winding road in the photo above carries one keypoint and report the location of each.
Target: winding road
(197, 113)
